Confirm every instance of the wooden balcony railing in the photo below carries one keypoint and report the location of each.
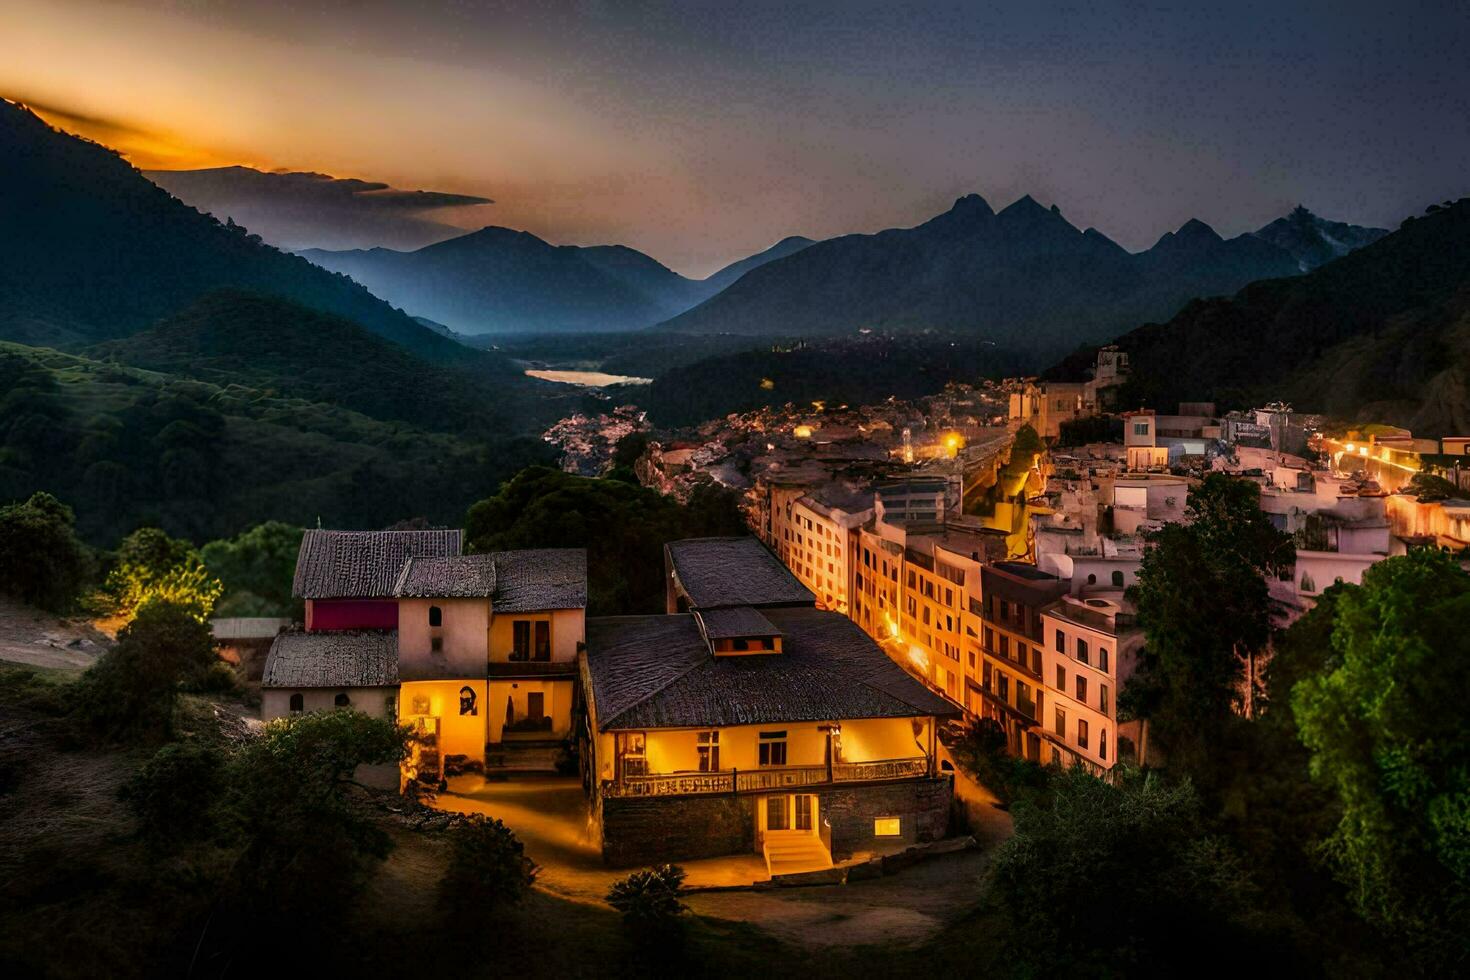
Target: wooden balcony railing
(772, 780)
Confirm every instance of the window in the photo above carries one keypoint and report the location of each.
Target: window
(298, 704)
(1061, 678)
(1060, 642)
(1082, 650)
(1061, 723)
(1102, 743)
(1036, 661)
(1102, 658)
(1082, 733)
(436, 617)
(777, 816)
(342, 700)
(1102, 698)
(543, 640)
(520, 639)
(1005, 646)
(887, 827)
(709, 751)
(1081, 689)
(773, 749)
(1140, 428)
(630, 747)
(985, 675)
(1003, 686)
(1117, 578)
(1091, 579)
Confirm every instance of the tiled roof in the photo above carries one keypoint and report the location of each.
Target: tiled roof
(455, 576)
(658, 672)
(348, 658)
(544, 578)
(246, 627)
(362, 564)
(717, 572)
(735, 621)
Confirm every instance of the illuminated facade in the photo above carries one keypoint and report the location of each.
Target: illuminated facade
(1091, 649)
(816, 539)
(1011, 687)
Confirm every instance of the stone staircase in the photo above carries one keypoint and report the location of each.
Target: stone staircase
(522, 756)
(795, 853)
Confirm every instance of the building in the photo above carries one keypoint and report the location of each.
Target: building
(1011, 684)
(346, 656)
(1140, 442)
(1091, 650)
(781, 730)
(1046, 406)
(244, 642)
(478, 653)
(813, 530)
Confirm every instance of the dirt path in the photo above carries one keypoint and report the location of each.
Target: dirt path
(39, 639)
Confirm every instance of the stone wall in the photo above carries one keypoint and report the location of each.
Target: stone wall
(921, 806)
(679, 828)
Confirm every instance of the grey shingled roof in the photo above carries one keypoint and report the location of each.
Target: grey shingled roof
(347, 658)
(742, 571)
(657, 672)
(362, 564)
(736, 621)
(453, 577)
(543, 578)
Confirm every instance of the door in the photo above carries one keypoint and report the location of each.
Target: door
(791, 813)
(535, 706)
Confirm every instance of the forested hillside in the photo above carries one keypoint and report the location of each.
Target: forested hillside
(1381, 334)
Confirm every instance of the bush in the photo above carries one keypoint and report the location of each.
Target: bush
(979, 748)
(132, 690)
(153, 567)
(41, 560)
(488, 868)
(173, 793)
(649, 900)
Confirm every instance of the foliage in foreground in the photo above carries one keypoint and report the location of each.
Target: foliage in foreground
(1118, 879)
(978, 747)
(488, 868)
(1384, 722)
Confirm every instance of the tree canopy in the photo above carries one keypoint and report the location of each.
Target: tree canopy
(255, 569)
(41, 560)
(1384, 722)
(153, 567)
(622, 526)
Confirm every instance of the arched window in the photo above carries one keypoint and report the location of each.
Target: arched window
(1091, 579)
(342, 700)
(436, 616)
(298, 703)
(1117, 578)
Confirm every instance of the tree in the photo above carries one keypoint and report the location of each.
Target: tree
(1386, 726)
(41, 560)
(651, 906)
(151, 566)
(1119, 880)
(622, 526)
(255, 569)
(1203, 602)
(306, 846)
(488, 868)
(173, 794)
(979, 748)
(132, 690)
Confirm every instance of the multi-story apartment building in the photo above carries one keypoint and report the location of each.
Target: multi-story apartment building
(1090, 652)
(1010, 689)
(814, 532)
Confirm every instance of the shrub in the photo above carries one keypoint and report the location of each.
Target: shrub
(649, 899)
(173, 793)
(488, 868)
(41, 560)
(132, 690)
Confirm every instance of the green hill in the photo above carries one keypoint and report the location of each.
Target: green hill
(1381, 334)
(127, 447)
(234, 337)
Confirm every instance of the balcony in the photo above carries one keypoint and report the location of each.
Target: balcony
(773, 780)
(530, 669)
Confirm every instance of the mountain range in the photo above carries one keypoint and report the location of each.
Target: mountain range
(1020, 276)
(1380, 334)
(498, 280)
(90, 249)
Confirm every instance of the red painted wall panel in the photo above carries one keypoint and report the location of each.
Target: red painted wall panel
(351, 614)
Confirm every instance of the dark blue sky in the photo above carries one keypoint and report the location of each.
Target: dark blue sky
(701, 131)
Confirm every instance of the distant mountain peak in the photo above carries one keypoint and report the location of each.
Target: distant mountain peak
(971, 203)
(1025, 204)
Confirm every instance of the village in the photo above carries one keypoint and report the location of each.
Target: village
(910, 568)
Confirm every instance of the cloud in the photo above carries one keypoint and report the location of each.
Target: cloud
(297, 210)
(142, 146)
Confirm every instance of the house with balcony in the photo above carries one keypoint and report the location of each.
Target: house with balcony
(778, 729)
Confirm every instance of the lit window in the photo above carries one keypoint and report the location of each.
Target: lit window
(709, 751)
(887, 827)
(773, 749)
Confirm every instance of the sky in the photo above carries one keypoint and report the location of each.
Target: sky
(701, 132)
